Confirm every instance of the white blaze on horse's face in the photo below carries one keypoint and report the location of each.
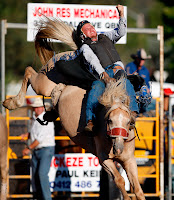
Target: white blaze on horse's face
(119, 118)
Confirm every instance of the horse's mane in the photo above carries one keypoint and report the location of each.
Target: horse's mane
(115, 92)
(52, 29)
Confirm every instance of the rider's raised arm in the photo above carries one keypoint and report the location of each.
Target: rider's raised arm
(121, 29)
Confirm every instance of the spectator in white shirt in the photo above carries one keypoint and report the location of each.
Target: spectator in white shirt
(42, 147)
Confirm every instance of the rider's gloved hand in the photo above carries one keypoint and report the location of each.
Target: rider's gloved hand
(107, 78)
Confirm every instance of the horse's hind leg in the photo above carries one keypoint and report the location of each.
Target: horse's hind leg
(110, 167)
(40, 84)
(17, 101)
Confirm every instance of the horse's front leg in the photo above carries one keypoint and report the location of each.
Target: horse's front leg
(130, 166)
(132, 172)
(128, 162)
(111, 169)
(3, 182)
(4, 172)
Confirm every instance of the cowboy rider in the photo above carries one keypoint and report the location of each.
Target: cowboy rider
(99, 51)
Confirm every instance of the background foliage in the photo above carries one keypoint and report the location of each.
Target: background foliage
(168, 18)
(20, 53)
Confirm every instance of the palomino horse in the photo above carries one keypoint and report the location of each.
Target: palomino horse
(108, 149)
(3, 157)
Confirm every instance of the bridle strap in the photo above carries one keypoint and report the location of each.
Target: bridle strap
(134, 136)
(130, 139)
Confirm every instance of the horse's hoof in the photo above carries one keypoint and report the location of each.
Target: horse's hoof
(6, 103)
(9, 104)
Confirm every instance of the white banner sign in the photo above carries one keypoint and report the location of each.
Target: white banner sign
(104, 18)
(75, 172)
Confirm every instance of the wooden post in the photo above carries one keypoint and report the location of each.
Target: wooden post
(161, 34)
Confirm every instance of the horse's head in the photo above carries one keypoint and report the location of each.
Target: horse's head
(116, 100)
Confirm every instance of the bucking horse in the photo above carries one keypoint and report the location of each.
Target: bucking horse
(113, 139)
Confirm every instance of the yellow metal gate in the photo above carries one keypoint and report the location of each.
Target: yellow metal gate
(147, 152)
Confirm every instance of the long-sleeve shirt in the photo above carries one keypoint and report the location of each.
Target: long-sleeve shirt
(114, 36)
(43, 134)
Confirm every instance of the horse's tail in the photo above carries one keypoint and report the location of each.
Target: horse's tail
(52, 29)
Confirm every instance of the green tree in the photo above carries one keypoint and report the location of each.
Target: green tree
(168, 18)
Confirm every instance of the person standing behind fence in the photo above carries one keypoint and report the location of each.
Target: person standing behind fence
(138, 67)
(42, 147)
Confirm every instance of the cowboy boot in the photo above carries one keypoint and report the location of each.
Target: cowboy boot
(89, 126)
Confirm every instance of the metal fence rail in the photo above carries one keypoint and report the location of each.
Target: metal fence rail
(152, 138)
(170, 149)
